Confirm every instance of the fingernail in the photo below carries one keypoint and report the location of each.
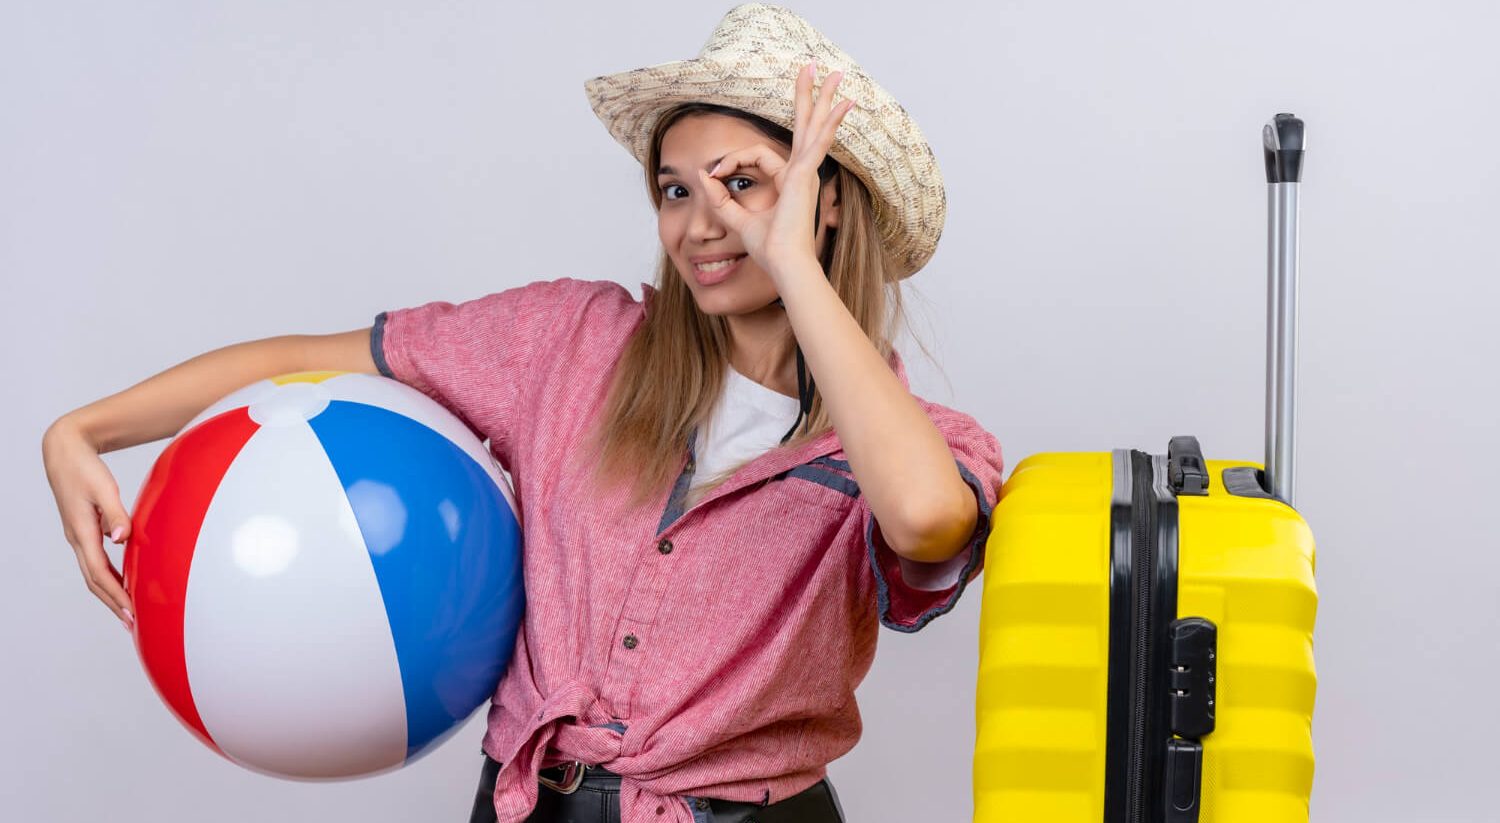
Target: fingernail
(128, 614)
(129, 629)
(715, 169)
(115, 535)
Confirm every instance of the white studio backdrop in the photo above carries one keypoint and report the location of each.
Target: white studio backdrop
(179, 176)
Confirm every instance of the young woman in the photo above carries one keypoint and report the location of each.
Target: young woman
(726, 486)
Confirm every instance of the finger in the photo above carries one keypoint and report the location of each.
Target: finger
(824, 100)
(818, 116)
(114, 517)
(80, 525)
(83, 525)
(760, 157)
(831, 127)
(802, 101)
(103, 575)
(722, 202)
(100, 591)
(104, 598)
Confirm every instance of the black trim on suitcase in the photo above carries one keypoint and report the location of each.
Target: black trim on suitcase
(1143, 606)
(1161, 612)
(1117, 723)
(1246, 481)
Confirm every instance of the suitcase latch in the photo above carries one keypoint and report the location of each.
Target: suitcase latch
(1186, 470)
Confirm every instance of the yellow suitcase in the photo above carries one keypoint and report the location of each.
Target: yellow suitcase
(1146, 625)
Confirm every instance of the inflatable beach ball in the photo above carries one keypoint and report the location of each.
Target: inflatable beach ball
(326, 573)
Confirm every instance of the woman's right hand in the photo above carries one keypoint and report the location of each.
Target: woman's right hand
(88, 501)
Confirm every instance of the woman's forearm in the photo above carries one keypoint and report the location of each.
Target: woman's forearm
(901, 461)
(160, 405)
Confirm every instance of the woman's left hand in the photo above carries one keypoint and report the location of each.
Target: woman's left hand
(780, 235)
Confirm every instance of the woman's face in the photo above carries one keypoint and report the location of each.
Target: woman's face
(692, 233)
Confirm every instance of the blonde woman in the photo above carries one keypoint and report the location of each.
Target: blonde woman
(726, 486)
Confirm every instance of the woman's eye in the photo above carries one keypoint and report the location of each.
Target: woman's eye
(669, 189)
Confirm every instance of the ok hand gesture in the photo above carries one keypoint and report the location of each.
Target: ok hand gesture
(778, 236)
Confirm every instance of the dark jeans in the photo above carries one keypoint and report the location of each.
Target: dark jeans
(597, 800)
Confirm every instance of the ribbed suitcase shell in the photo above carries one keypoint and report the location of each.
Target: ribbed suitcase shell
(1244, 563)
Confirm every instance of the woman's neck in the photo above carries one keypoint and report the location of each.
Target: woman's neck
(755, 341)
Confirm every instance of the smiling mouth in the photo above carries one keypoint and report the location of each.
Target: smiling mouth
(710, 274)
(717, 265)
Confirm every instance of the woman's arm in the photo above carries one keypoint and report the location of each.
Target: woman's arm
(88, 500)
(160, 405)
(902, 463)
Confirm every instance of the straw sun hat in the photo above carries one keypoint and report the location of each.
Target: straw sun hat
(750, 63)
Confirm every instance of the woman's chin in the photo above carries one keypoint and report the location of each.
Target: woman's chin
(728, 304)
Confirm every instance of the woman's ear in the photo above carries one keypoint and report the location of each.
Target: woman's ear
(829, 197)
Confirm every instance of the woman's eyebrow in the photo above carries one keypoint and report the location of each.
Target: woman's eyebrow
(669, 170)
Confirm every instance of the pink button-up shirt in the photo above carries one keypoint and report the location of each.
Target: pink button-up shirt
(710, 651)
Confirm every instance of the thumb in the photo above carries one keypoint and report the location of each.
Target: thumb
(114, 519)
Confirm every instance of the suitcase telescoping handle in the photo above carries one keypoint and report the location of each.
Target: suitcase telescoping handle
(1285, 139)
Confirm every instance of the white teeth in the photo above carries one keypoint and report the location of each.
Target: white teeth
(719, 264)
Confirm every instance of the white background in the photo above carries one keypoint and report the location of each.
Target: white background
(179, 176)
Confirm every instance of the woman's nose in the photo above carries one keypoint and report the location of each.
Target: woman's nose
(704, 223)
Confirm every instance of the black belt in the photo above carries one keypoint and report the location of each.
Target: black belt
(591, 794)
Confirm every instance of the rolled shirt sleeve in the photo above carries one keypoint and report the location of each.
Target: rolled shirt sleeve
(454, 352)
(911, 594)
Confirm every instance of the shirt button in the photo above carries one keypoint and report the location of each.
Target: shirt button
(630, 641)
(665, 547)
(661, 810)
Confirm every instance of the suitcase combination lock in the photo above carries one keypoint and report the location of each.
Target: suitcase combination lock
(1192, 678)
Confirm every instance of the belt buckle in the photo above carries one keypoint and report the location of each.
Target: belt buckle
(572, 777)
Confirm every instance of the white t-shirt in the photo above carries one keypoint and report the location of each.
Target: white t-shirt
(751, 419)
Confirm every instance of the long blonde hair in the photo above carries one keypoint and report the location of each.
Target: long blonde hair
(672, 371)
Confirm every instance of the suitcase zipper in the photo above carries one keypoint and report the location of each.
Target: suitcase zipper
(1143, 560)
(1142, 605)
